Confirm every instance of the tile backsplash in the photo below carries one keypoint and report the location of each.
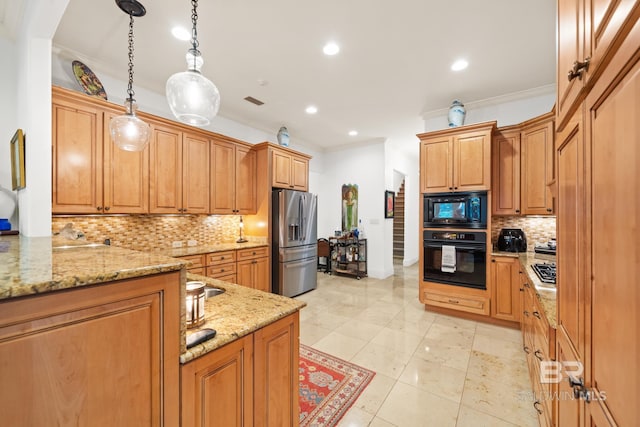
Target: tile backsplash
(153, 232)
(538, 229)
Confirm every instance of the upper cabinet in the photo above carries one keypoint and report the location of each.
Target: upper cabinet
(89, 173)
(523, 168)
(457, 159)
(289, 170)
(589, 33)
(233, 178)
(179, 171)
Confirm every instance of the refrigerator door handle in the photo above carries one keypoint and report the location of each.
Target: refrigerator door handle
(301, 218)
(302, 263)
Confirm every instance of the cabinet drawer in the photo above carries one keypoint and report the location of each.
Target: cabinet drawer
(221, 270)
(463, 303)
(252, 253)
(200, 270)
(218, 258)
(197, 261)
(231, 278)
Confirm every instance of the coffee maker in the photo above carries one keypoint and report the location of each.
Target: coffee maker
(512, 240)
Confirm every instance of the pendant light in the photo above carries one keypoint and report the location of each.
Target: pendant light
(192, 97)
(128, 131)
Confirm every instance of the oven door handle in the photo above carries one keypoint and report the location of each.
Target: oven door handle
(466, 248)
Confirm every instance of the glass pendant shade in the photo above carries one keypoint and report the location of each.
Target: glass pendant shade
(128, 132)
(192, 97)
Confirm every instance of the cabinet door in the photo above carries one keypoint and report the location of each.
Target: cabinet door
(506, 288)
(276, 355)
(570, 49)
(262, 278)
(472, 161)
(217, 388)
(300, 173)
(537, 170)
(245, 273)
(614, 298)
(505, 198)
(281, 172)
(126, 176)
(165, 168)
(567, 409)
(435, 165)
(245, 181)
(77, 159)
(195, 174)
(223, 176)
(105, 355)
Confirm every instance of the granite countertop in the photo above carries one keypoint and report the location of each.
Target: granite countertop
(35, 265)
(546, 292)
(205, 249)
(237, 312)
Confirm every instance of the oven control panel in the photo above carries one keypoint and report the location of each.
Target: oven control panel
(454, 235)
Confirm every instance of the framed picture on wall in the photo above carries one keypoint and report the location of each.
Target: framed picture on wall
(389, 203)
(17, 161)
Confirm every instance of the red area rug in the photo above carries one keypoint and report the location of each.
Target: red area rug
(328, 387)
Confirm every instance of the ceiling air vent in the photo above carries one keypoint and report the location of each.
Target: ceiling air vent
(252, 100)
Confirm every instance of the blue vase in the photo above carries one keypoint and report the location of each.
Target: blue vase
(283, 137)
(457, 113)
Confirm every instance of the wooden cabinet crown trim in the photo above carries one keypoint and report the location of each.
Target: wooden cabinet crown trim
(265, 145)
(456, 130)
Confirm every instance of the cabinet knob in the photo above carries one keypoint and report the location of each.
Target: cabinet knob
(493, 260)
(549, 209)
(455, 188)
(536, 314)
(538, 354)
(99, 208)
(579, 68)
(107, 208)
(450, 188)
(517, 210)
(526, 349)
(254, 252)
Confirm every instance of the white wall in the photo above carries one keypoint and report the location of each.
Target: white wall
(8, 116)
(507, 110)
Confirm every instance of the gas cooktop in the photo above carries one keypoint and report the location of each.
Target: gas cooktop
(546, 272)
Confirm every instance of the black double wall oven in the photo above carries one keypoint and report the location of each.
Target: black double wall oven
(453, 256)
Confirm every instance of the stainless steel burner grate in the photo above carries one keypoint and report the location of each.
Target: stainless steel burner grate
(546, 272)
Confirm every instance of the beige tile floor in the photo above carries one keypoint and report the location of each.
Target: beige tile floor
(431, 369)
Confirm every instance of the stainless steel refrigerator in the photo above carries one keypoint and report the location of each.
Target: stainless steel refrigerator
(294, 242)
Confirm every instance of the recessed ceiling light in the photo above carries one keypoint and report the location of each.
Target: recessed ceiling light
(331, 48)
(311, 109)
(353, 132)
(459, 65)
(181, 33)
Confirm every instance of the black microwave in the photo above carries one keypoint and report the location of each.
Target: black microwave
(457, 210)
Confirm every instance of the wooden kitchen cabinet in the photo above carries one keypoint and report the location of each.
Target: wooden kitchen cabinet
(233, 178)
(217, 388)
(456, 159)
(250, 382)
(276, 353)
(505, 282)
(537, 165)
(90, 174)
(103, 355)
(253, 268)
(523, 168)
(290, 171)
(179, 169)
(505, 199)
(197, 265)
(222, 266)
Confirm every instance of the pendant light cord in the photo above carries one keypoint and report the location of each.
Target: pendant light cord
(130, 91)
(194, 31)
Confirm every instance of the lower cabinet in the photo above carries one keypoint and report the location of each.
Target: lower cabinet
(471, 303)
(505, 283)
(252, 381)
(253, 268)
(103, 355)
(539, 346)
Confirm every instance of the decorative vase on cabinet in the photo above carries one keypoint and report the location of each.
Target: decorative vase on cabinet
(457, 113)
(283, 137)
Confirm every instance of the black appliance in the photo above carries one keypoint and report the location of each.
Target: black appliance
(512, 240)
(470, 266)
(456, 210)
(546, 272)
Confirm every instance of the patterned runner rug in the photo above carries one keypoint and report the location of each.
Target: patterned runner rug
(328, 387)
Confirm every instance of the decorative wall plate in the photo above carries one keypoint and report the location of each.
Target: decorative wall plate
(87, 80)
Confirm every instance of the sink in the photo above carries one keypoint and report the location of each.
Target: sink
(210, 292)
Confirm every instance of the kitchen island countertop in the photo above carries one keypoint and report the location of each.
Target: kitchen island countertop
(546, 293)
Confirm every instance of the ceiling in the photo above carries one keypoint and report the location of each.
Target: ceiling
(392, 69)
